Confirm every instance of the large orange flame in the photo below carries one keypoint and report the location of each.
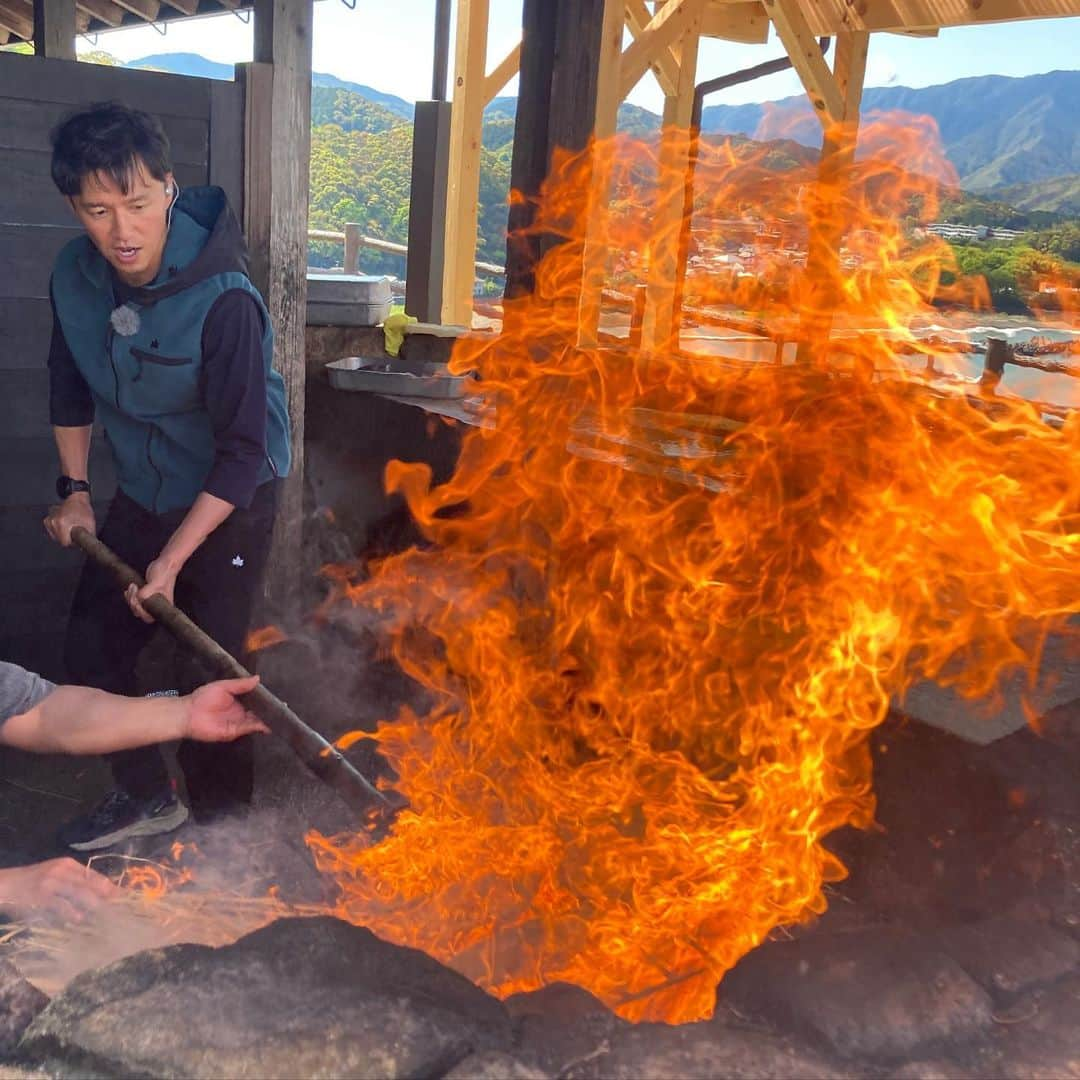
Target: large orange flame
(668, 597)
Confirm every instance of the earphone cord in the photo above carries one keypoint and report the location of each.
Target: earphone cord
(175, 192)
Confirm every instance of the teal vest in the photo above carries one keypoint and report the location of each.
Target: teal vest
(147, 384)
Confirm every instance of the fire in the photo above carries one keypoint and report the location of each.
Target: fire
(677, 592)
(264, 637)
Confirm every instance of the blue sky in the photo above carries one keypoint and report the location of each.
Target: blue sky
(389, 46)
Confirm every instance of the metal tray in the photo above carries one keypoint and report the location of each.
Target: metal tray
(377, 376)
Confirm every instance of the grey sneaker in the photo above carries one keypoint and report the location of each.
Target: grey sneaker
(119, 816)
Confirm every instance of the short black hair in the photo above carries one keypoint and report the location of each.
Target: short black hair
(110, 139)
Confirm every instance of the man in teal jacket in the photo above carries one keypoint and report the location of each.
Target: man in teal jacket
(161, 338)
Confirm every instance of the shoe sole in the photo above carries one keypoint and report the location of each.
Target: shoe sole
(148, 827)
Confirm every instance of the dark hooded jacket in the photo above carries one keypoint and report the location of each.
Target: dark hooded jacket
(143, 360)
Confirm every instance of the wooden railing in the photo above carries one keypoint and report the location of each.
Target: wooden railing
(353, 240)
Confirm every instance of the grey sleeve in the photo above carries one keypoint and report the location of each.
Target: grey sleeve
(20, 690)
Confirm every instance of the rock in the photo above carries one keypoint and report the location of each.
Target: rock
(1038, 1036)
(707, 1049)
(20, 1002)
(874, 993)
(493, 1065)
(934, 1069)
(1008, 955)
(301, 997)
(560, 1025)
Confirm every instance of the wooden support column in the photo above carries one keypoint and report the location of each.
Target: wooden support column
(608, 97)
(660, 325)
(569, 63)
(54, 29)
(277, 163)
(826, 227)
(821, 87)
(466, 125)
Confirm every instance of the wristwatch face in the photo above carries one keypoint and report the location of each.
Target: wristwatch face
(65, 486)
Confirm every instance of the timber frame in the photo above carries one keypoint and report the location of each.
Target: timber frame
(664, 38)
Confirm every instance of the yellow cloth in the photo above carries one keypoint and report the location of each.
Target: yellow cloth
(394, 331)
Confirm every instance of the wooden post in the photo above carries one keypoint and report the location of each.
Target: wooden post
(278, 142)
(350, 261)
(427, 210)
(54, 29)
(605, 118)
(660, 325)
(463, 195)
(826, 233)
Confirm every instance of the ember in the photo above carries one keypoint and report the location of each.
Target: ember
(677, 593)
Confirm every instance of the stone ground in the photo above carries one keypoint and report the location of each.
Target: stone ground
(951, 951)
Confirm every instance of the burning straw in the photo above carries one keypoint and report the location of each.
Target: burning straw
(675, 595)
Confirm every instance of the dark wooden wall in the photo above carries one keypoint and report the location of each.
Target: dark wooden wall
(204, 122)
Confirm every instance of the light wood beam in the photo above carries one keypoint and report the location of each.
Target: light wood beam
(608, 98)
(186, 7)
(826, 227)
(829, 17)
(466, 123)
(806, 58)
(502, 73)
(666, 27)
(849, 71)
(18, 18)
(659, 328)
(666, 65)
(743, 22)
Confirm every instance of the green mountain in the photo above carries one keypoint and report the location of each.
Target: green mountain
(1060, 195)
(997, 131)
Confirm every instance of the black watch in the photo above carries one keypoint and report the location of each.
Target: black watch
(65, 486)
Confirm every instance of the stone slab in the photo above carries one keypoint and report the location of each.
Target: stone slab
(1008, 955)
(19, 1004)
(301, 997)
(877, 993)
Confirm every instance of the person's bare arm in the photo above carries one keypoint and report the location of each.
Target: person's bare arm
(206, 514)
(81, 720)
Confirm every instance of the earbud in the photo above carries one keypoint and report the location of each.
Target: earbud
(168, 189)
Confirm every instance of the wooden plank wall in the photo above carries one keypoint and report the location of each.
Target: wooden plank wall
(204, 122)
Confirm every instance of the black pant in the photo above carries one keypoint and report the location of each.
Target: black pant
(217, 589)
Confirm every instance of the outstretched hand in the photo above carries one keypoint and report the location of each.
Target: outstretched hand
(215, 715)
(59, 888)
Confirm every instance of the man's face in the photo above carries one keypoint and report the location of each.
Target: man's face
(129, 230)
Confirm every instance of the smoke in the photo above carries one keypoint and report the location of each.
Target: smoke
(203, 885)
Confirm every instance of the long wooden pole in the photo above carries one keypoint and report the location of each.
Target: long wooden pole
(321, 757)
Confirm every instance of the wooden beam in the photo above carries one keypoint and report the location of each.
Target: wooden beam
(185, 7)
(502, 73)
(743, 22)
(608, 98)
(466, 123)
(849, 71)
(103, 10)
(660, 324)
(277, 164)
(54, 29)
(806, 58)
(830, 17)
(667, 26)
(145, 9)
(18, 18)
(826, 231)
(666, 65)
(4, 35)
